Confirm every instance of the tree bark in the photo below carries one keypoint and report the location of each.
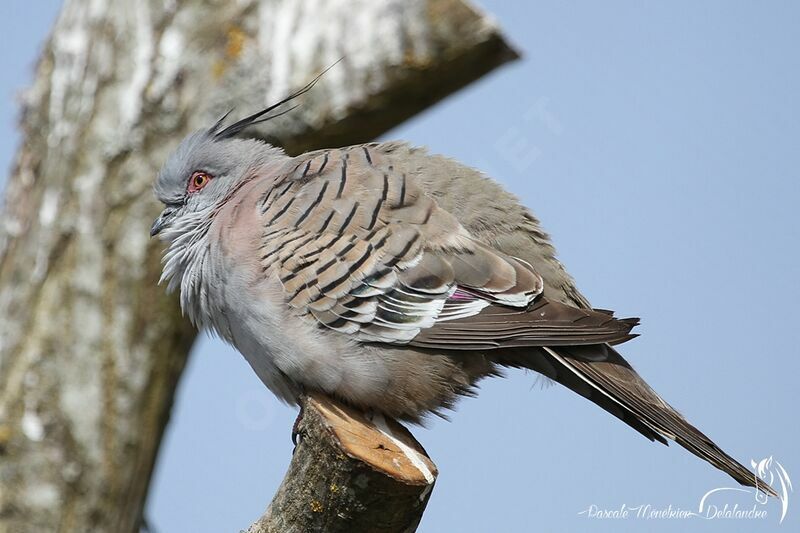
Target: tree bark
(350, 474)
(90, 347)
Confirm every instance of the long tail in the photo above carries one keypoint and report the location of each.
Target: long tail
(600, 374)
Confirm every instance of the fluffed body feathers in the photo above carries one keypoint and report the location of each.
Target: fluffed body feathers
(392, 279)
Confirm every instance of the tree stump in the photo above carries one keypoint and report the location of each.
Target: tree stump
(350, 473)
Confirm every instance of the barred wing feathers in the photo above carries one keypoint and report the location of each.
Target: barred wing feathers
(361, 249)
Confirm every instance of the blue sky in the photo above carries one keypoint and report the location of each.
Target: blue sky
(658, 143)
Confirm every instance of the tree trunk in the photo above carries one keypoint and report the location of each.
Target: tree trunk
(90, 347)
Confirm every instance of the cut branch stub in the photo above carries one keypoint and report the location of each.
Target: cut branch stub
(349, 474)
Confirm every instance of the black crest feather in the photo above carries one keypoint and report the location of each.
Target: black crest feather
(263, 115)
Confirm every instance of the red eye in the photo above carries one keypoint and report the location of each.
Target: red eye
(198, 181)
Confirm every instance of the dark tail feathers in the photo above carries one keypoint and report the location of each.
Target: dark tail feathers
(600, 374)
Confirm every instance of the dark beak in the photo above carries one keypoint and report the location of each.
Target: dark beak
(164, 220)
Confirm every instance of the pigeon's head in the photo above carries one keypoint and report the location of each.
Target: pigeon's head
(200, 174)
(208, 165)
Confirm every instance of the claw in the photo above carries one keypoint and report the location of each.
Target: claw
(297, 433)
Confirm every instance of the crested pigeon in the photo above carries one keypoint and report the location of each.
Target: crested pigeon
(389, 278)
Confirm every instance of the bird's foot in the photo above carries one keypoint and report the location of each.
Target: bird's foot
(297, 432)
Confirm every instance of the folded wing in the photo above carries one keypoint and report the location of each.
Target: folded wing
(360, 249)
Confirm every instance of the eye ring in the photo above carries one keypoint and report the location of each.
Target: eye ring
(198, 180)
